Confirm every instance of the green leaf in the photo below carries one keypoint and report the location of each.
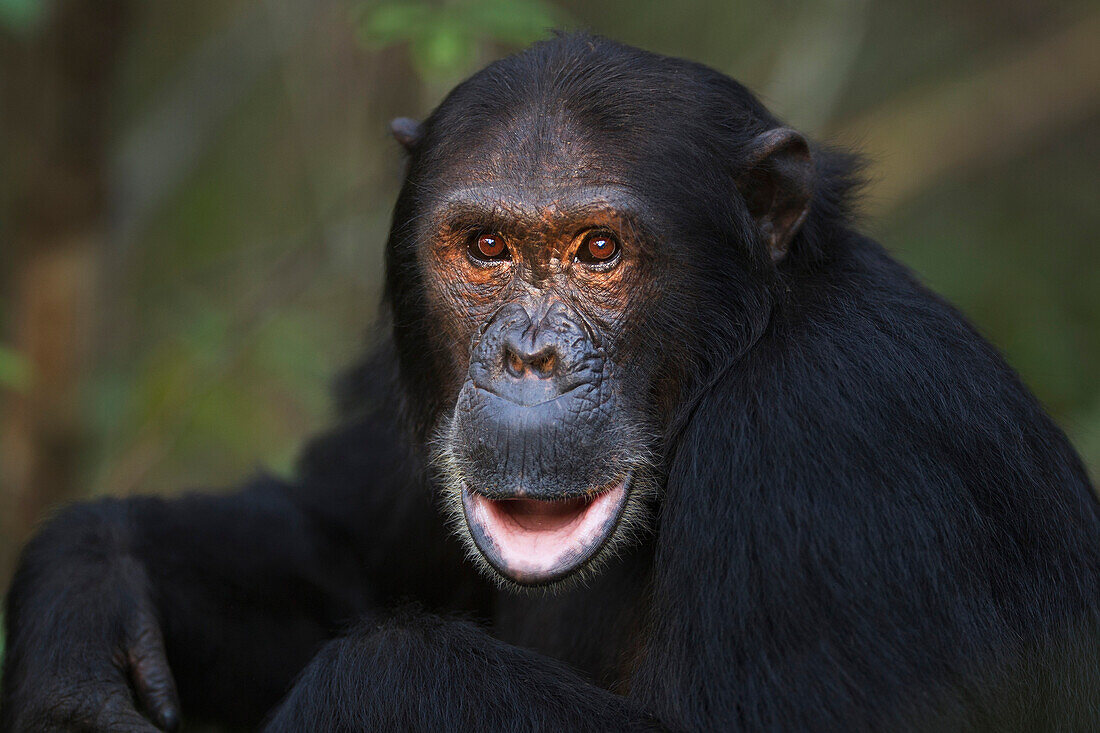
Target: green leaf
(15, 371)
(444, 38)
(21, 14)
(396, 22)
(445, 48)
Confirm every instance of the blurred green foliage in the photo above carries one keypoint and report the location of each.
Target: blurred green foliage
(14, 370)
(444, 39)
(21, 14)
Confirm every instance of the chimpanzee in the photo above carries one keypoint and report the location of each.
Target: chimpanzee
(652, 438)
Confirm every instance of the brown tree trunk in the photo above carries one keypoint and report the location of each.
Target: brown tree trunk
(55, 95)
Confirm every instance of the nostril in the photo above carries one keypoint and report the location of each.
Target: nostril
(513, 363)
(544, 364)
(519, 365)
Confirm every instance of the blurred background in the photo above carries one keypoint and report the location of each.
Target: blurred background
(194, 197)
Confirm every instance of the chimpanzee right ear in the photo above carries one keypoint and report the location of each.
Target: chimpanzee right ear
(406, 131)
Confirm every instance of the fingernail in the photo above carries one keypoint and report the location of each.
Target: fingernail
(169, 719)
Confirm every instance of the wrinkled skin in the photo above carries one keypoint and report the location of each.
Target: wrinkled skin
(707, 459)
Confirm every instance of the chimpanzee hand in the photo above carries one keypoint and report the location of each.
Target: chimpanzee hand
(84, 647)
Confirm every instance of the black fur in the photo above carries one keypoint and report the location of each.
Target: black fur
(866, 522)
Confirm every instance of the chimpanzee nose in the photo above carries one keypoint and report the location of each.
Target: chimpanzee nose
(528, 355)
(522, 360)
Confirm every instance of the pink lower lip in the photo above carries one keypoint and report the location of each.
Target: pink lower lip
(533, 541)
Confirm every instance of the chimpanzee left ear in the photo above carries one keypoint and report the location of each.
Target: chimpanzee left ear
(406, 131)
(777, 185)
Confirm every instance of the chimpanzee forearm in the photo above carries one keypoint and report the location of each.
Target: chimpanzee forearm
(420, 672)
(243, 588)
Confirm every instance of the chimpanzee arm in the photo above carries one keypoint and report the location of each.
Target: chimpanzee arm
(420, 672)
(221, 577)
(241, 590)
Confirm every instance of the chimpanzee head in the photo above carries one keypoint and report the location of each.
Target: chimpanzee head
(586, 235)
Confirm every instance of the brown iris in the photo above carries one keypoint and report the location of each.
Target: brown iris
(598, 247)
(488, 247)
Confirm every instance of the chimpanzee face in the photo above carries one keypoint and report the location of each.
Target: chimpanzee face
(537, 279)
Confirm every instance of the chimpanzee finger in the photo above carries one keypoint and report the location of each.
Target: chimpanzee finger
(118, 716)
(102, 707)
(150, 675)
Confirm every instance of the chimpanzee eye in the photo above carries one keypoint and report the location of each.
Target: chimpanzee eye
(488, 248)
(597, 248)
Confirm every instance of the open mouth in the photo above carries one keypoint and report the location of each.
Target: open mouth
(535, 541)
